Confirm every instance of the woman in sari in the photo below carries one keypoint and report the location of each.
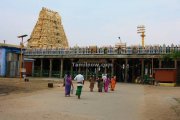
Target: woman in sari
(92, 82)
(113, 83)
(68, 84)
(106, 84)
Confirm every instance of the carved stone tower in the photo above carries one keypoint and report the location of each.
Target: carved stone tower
(48, 31)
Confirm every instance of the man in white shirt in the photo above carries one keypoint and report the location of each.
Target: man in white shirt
(80, 81)
(104, 77)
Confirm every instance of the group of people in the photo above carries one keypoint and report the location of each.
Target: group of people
(69, 84)
(102, 83)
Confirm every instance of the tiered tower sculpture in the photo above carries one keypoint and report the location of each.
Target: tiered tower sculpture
(48, 32)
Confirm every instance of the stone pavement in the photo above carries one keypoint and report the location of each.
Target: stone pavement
(50, 104)
(127, 102)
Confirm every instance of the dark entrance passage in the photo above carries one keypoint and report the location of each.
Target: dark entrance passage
(67, 66)
(37, 68)
(45, 70)
(133, 68)
(119, 71)
(56, 67)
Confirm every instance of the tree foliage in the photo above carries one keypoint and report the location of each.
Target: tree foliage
(171, 56)
(176, 55)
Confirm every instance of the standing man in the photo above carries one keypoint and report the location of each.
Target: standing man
(80, 83)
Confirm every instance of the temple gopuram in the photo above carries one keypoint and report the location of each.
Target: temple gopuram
(48, 31)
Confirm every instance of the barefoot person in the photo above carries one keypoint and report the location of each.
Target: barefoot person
(106, 84)
(92, 82)
(113, 83)
(68, 84)
(80, 81)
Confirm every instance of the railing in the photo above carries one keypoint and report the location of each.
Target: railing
(156, 50)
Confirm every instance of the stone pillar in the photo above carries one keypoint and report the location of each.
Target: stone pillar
(112, 68)
(61, 71)
(160, 63)
(175, 64)
(97, 71)
(71, 67)
(86, 72)
(152, 68)
(60, 68)
(41, 69)
(142, 68)
(79, 69)
(133, 76)
(126, 70)
(50, 67)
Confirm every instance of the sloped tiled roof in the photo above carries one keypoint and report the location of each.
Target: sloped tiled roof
(9, 45)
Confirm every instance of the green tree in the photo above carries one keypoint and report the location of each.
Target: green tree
(175, 55)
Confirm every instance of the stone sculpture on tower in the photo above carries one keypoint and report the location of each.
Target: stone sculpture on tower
(48, 32)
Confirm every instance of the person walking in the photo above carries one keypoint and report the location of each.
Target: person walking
(106, 83)
(92, 81)
(68, 84)
(100, 84)
(80, 82)
(104, 77)
(113, 83)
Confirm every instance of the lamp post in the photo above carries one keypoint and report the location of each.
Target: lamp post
(20, 62)
(141, 29)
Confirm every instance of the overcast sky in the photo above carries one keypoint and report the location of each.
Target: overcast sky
(96, 22)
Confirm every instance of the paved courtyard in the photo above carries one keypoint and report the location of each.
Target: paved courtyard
(127, 102)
